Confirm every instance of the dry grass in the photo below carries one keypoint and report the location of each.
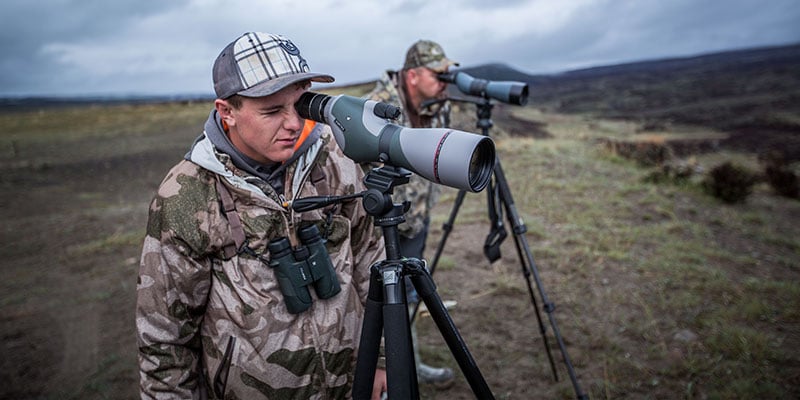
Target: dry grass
(661, 291)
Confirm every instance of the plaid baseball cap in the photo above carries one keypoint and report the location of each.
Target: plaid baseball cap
(259, 64)
(425, 53)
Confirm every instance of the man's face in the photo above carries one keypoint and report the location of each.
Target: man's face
(265, 128)
(428, 84)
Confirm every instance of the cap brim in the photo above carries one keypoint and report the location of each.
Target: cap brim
(442, 65)
(273, 86)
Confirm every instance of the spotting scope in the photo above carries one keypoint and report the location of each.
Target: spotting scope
(511, 92)
(363, 131)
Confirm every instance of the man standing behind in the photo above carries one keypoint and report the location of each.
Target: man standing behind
(213, 318)
(417, 90)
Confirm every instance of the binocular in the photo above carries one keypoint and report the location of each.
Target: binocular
(297, 268)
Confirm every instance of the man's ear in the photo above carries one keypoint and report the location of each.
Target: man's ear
(225, 111)
(412, 76)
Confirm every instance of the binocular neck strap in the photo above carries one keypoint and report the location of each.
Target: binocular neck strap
(237, 239)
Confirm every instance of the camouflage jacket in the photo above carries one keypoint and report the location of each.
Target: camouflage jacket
(421, 193)
(217, 327)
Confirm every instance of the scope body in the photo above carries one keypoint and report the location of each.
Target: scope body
(364, 133)
(511, 92)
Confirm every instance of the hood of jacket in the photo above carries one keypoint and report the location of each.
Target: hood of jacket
(207, 148)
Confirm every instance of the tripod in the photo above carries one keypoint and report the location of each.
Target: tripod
(386, 307)
(500, 193)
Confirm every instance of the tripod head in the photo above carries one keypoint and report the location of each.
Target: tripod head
(376, 200)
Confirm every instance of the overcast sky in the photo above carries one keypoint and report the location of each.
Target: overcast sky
(121, 47)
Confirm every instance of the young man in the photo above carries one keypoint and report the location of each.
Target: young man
(411, 89)
(212, 318)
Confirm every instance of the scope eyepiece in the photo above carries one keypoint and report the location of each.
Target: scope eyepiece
(311, 106)
(447, 77)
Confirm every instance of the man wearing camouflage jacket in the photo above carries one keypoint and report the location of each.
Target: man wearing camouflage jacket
(421, 96)
(412, 89)
(211, 317)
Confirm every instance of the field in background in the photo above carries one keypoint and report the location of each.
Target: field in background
(661, 290)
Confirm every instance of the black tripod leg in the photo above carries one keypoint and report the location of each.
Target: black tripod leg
(526, 260)
(400, 366)
(371, 332)
(386, 307)
(427, 291)
(446, 228)
(529, 267)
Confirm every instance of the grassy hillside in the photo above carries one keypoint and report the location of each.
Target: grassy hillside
(753, 95)
(661, 290)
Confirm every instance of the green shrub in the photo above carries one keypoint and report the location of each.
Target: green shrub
(730, 182)
(783, 180)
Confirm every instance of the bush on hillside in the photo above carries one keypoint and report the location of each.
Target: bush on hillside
(730, 182)
(647, 152)
(781, 179)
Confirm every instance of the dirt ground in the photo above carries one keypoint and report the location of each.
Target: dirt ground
(71, 238)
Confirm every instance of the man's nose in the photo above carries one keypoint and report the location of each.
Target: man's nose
(294, 121)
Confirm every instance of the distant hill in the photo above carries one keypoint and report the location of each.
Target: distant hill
(752, 94)
(16, 104)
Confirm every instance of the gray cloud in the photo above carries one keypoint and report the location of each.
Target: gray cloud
(613, 32)
(73, 47)
(32, 32)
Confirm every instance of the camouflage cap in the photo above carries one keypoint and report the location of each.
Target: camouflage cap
(425, 53)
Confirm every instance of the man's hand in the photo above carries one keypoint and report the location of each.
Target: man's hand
(379, 384)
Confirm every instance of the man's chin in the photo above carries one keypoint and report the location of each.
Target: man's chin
(284, 155)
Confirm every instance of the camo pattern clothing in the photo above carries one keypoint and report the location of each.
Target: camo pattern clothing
(211, 326)
(420, 192)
